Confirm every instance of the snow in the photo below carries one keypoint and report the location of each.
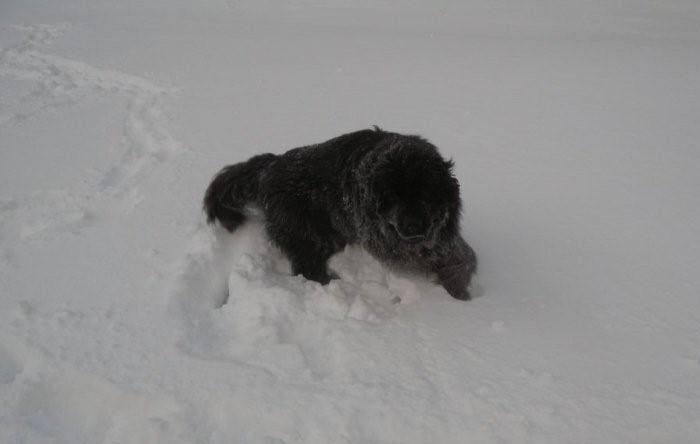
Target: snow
(125, 319)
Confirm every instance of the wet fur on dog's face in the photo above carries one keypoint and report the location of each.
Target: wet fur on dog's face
(416, 196)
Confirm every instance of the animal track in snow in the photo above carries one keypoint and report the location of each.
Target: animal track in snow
(47, 399)
(59, 81)
(53, 210)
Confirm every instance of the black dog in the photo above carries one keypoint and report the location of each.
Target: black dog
(393, 194)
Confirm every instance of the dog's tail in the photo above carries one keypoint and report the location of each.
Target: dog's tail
(232, 188)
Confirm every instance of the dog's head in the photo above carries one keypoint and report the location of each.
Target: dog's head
(416, 196)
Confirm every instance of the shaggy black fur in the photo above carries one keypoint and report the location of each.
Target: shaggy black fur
(393, 194)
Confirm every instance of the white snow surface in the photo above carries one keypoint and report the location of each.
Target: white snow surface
(125, 319)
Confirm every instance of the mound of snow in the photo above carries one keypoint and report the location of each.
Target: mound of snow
(238, 300)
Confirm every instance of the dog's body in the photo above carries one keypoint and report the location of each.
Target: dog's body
(393, 194)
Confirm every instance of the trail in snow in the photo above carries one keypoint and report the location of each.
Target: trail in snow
(45, 398)
(57, 82)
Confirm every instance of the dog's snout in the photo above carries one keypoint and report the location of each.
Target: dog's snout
(412, 229)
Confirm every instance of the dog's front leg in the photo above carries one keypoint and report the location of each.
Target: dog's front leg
(456, 268)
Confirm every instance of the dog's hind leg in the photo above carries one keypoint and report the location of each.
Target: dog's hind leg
(308, 259)
(313, 267)
(307, 250)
